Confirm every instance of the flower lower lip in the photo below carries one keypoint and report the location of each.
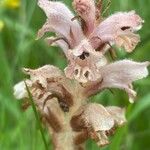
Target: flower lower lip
(84, 55)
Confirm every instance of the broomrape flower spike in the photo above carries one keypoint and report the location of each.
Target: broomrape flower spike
(61, 97)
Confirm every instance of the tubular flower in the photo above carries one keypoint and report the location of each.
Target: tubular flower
(61, 97)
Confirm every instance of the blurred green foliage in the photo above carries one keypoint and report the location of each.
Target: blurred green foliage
(18, 48)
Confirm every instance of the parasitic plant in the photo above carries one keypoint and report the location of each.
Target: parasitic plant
(60, 97)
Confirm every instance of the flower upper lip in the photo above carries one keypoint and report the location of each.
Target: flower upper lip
(119, 29)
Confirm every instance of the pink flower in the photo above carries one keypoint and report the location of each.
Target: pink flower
(119, 29)
(85, 51)
(62, 97)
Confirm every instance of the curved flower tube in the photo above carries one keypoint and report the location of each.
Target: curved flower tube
(120, 75)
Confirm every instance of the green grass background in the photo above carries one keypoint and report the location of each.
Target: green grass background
(18, 48)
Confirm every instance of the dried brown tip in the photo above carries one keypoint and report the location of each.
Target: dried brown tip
(81, 137)
(76, 123)
(53, 121)
(25, 105)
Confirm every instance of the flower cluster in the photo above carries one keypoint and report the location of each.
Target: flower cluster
(62, 97)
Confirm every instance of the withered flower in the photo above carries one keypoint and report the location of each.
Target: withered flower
(62, 97)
